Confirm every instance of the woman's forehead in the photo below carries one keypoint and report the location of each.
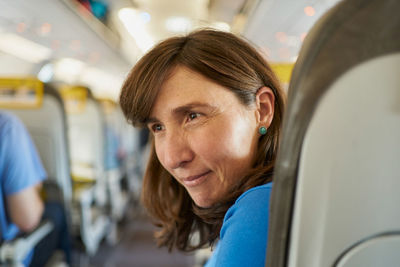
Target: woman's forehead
(185, 88)
(180, 72)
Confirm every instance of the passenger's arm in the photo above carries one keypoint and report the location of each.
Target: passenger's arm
(26, 208)
(22, 177)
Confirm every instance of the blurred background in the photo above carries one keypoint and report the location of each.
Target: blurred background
(96, 42)
(83, 50)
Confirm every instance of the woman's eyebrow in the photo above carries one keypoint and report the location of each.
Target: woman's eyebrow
(182, 109)
(190, 106)
(150, 120)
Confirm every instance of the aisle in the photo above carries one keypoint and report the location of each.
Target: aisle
(137, 248)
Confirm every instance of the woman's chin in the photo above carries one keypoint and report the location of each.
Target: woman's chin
(202, 202)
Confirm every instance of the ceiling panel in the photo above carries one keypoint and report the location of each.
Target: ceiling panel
(55, 25)
(279, 26)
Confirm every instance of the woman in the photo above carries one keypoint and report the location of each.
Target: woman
(214, 108)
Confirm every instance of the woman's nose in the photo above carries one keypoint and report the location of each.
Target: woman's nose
(177, 152)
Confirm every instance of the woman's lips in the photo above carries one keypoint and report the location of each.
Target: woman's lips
(195, 180)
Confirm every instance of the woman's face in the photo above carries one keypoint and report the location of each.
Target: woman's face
(204, 137)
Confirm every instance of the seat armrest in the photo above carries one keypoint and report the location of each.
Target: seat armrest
(93, 226)
(15, 251)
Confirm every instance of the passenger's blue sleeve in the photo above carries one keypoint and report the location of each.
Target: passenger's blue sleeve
(20, 163)
(243, 239)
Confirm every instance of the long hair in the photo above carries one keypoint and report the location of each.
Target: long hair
(228, 61)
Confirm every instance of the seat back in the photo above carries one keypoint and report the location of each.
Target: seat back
(87, 142)
(47, 126)
(336, 185)
(133, 156)
(137, 154)
(113, 134)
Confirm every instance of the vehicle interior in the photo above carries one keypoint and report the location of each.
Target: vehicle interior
(336, 179)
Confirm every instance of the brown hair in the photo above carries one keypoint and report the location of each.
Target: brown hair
(228, 61)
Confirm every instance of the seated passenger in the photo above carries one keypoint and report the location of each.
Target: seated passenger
(111, 159)
(214, 108)
(21, 208)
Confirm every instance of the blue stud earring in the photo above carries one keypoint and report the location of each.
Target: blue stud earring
(262, 130)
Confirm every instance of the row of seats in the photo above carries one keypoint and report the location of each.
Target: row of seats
(88, 150)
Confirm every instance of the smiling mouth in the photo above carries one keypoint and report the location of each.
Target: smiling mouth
(195, 180)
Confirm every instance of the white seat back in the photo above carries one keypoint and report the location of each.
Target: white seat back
(87, 145)
(352, 194)
(337, 182)
(86, 136)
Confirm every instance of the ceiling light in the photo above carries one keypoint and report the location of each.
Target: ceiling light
(309, 10)
(23, 48)
(21, 27)
(178, 24)
(134, 23)
(145, 17)
(46, 73)
(68, 69)
(281, 37)
(44, 29)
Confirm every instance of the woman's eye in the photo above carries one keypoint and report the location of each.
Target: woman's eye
(193, 115)
(156, 127)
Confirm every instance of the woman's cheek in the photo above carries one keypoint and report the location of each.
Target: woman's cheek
(209, 144)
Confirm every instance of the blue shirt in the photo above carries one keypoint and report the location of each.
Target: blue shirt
(20, 167)
(112, 146)
(244, 232)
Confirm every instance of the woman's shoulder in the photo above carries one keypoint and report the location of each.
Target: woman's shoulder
(258, 192)
(253, 205)
(244, 232)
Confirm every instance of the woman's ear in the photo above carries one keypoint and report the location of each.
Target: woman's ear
(265, 100)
